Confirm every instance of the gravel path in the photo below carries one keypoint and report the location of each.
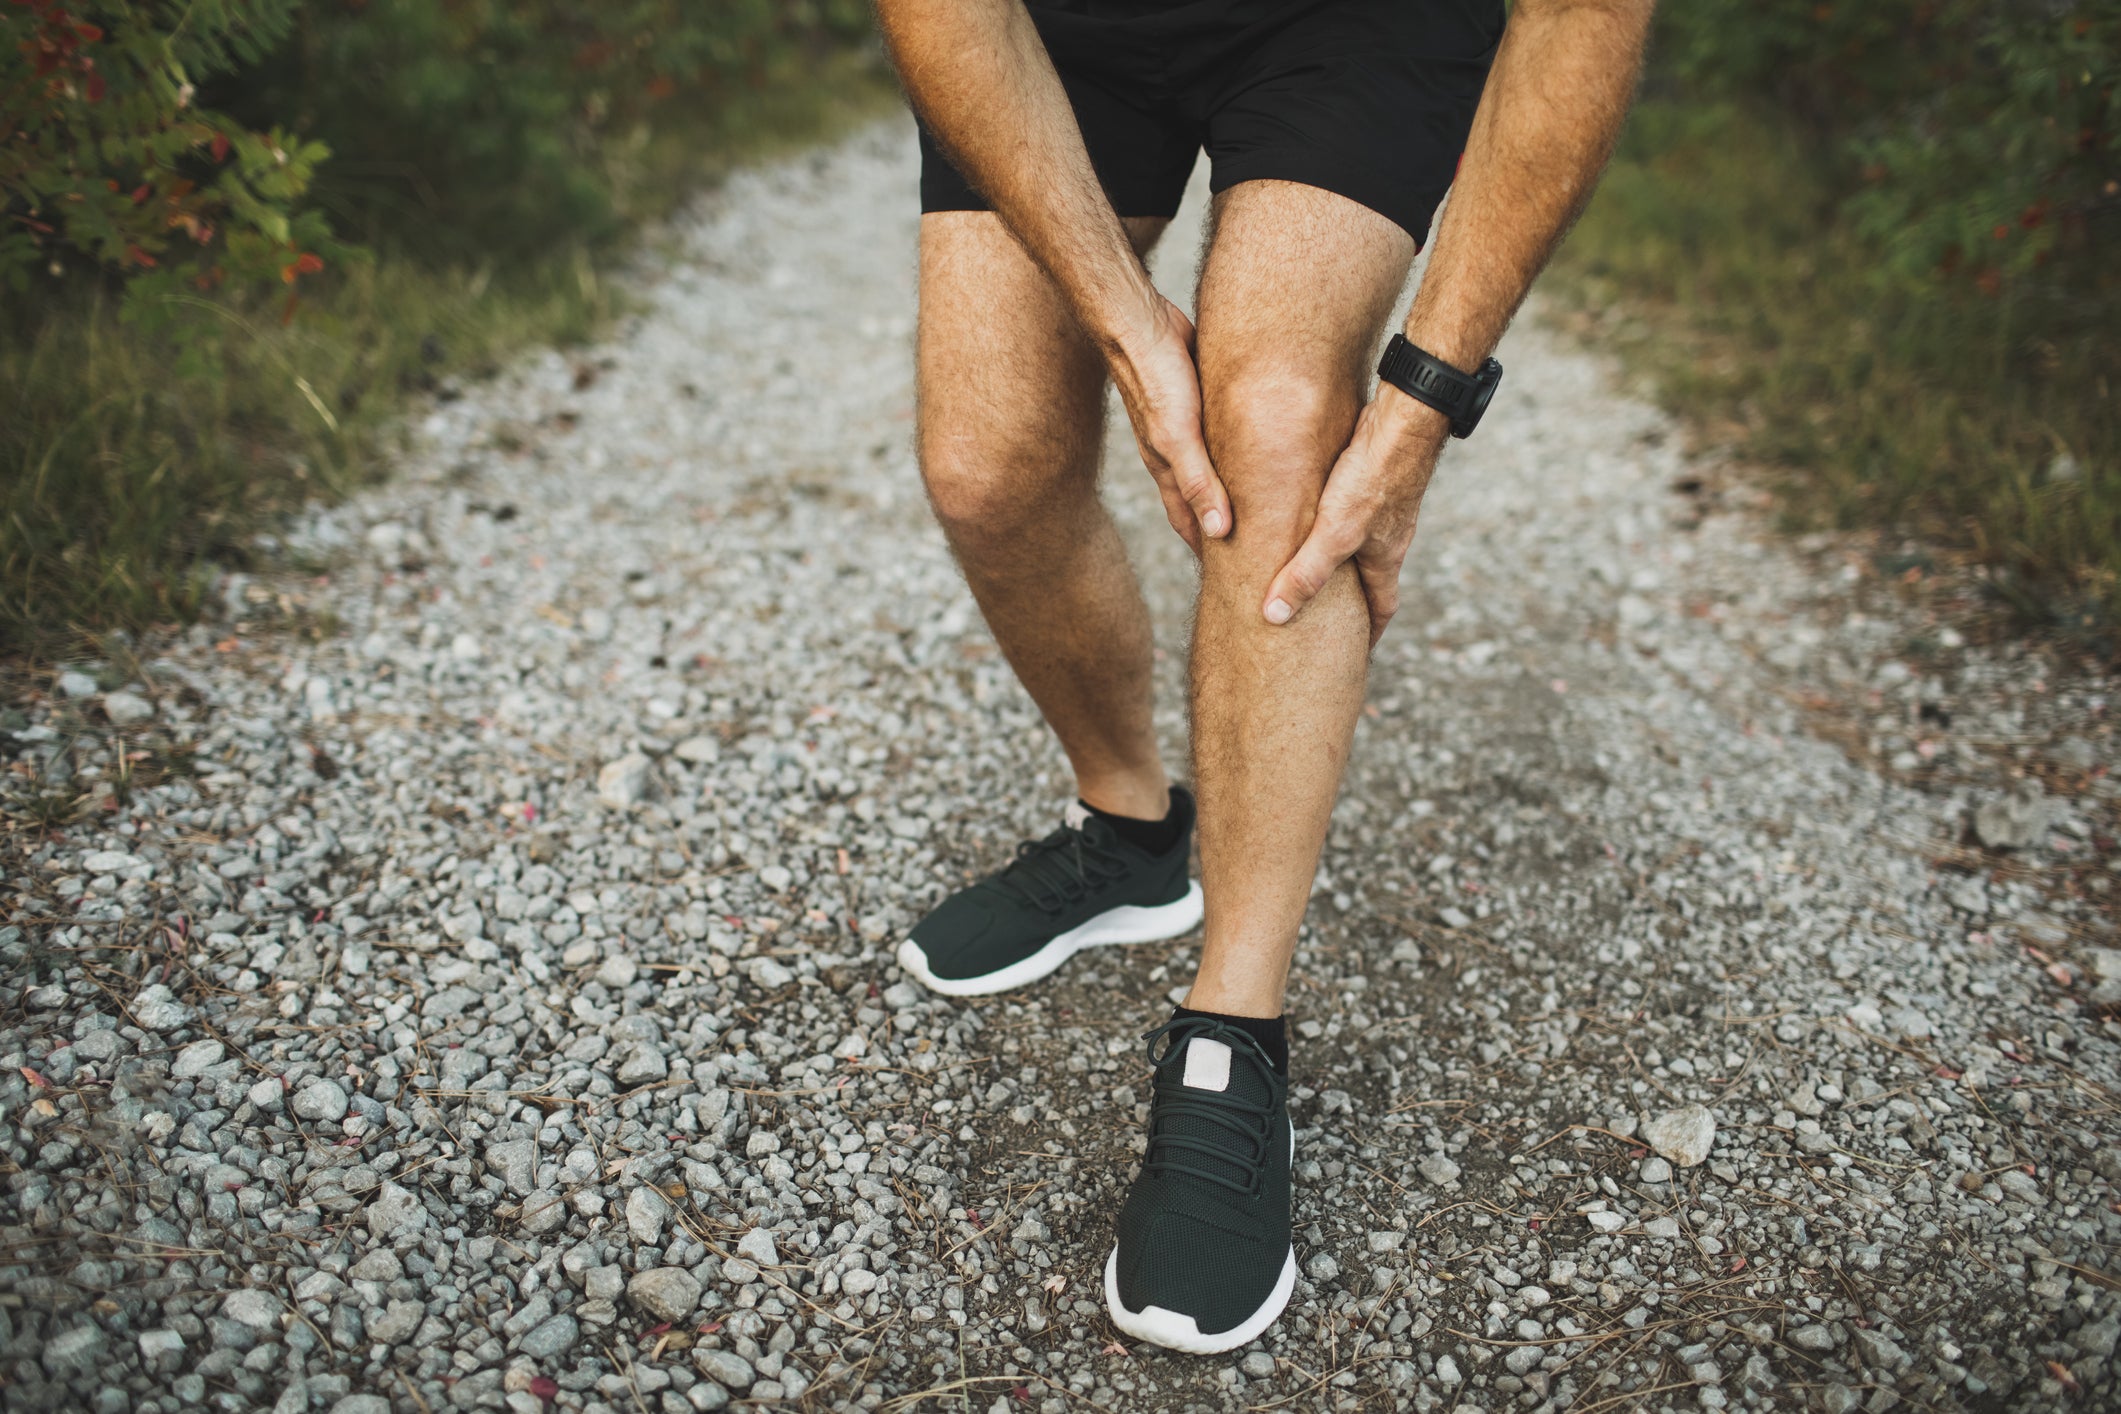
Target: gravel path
(469, 983)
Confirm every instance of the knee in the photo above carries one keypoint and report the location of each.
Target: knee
(1273, 434)
(988, 485)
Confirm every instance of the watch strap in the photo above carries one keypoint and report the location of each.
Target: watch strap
(1426, 378)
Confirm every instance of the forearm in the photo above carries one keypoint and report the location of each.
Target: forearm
(978, 74)
(1547, 120)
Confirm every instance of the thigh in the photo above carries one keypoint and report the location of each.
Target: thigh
(1294, 294)
(1369, 99)
(1009, 387)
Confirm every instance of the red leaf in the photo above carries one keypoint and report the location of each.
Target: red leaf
(33, 1078)
(710, 1328)
(89, 32)
(661, 86)
(545, 1387)
(141, 193)
(96, 88)
(139, 256)
(309, 264)
(220, 147)
(659, 1330)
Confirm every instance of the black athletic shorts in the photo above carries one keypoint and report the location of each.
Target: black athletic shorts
(1369, 99)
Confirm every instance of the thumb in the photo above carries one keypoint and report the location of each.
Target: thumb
(1326, 549)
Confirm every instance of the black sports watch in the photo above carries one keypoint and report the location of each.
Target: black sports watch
(1462, 397)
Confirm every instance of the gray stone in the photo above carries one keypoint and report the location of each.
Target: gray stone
(757, 1244)
(379, 1264)
(127, 709)
(1438, 1170)
(394, 1212)
(156, 1008)
(1684, 1136)
(725, 1367)
(196, 1059)
(622, 783)
(320, 1099)
(553, 1336)
(260, 1310)
(646, 1211)
(515, 1163)
(666, 1293)
(543, 1211)
(1816, 1336)
(2017, 819)
(77, 1350)
(397, 1323)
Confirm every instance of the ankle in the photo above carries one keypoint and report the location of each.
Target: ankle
(1139, 796)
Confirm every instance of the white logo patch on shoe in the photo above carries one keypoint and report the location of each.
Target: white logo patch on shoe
(1207, 1064)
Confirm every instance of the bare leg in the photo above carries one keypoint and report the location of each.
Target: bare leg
(1011, 424)
(1294, 295)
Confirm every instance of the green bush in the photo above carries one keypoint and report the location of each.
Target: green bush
(1869, 245)
(108, 159)
(436, 178)
(485, 130)
(1977, 138)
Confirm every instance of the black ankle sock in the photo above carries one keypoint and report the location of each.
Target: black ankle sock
(1155, 836)
(1272, 1033)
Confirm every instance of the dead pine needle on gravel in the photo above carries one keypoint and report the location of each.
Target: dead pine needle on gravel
(486, 1000)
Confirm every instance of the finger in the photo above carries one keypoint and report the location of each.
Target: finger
(1179, 513)
(1201, 487)
(1380, 590)
(1325, 550)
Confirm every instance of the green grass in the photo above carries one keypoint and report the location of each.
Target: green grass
(1978, 424)
(133, 467)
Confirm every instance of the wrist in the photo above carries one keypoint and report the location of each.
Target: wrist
(1409, 422)
(1129, 322)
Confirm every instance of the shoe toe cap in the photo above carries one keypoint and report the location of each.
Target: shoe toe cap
(1198, 1269)
(950, 937)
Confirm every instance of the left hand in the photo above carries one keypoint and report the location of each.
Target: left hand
(1368, 510)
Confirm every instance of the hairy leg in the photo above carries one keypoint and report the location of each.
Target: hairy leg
(1294, 295)
(1011, 423)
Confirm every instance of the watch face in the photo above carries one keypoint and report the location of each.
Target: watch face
(1485, 382)
(1482, 392)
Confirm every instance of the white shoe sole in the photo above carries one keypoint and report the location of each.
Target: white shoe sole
(1182, 1333)
(1125, 924)
(1175, 1332)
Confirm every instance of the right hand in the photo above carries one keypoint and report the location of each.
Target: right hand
(1154, 370)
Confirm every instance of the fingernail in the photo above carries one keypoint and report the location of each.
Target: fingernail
(1212, 523)
(1278, 611)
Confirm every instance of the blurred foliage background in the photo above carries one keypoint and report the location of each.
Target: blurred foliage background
(236, 235)
(1872, 246)
(1868, 245)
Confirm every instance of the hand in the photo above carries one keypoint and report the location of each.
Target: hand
(1160, 385)
(1368, 510)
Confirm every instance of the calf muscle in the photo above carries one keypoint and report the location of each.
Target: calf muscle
(1284, 368)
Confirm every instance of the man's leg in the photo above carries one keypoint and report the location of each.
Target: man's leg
(1293, 299)
(1011, 425)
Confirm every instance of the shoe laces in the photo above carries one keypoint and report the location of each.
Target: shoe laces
(1064, 867)
(1229, 1127)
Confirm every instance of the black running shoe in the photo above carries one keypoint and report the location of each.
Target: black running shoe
(1203, 1262)
(1078, 887)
